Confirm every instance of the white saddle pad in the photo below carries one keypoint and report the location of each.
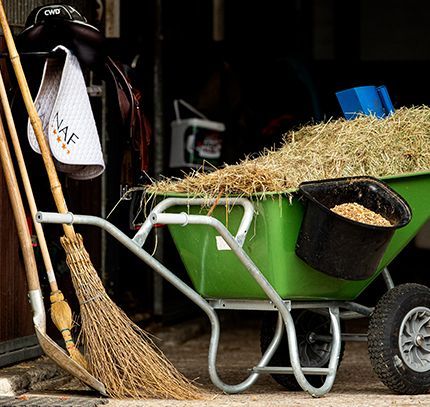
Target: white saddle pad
(64, 108)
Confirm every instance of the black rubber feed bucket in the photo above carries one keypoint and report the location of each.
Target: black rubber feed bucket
(341, 247)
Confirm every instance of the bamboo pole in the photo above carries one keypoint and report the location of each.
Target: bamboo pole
(18, 212)
(35, 122)
(61, 313)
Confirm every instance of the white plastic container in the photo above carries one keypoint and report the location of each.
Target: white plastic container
(195, 141)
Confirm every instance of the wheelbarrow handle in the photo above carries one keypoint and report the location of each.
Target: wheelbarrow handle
(248, 214)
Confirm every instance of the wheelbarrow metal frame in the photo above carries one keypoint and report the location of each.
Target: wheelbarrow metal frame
(274, 302)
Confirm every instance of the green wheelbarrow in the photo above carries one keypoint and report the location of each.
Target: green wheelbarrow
(242, 257)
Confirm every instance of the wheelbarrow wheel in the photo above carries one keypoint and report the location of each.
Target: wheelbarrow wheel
(399, 339)
(312, 352)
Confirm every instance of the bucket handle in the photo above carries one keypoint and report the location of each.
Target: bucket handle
(176, 104)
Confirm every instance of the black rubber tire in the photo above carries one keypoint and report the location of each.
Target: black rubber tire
(383, 339)
(305, 322)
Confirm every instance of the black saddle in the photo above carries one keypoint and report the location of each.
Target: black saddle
(61, 24)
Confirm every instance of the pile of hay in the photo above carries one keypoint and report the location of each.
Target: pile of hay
(396, 145)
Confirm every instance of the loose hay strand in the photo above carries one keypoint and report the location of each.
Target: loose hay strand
(367, 145)
(119, 353)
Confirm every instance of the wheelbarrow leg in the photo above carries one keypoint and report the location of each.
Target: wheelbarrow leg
(387, 278)
(295, 359)
(212, 355)
(250, 380)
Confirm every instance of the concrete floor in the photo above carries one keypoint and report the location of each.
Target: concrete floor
(355, 384)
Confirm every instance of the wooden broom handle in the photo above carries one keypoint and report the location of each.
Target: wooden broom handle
(19, 213)
(27, 185)
(35, 122)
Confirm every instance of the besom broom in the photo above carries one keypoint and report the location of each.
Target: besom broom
(61, 314)
(119, 353)
(50, 347)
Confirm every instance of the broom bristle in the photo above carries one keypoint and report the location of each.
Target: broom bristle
(119, 353)
(61, 315)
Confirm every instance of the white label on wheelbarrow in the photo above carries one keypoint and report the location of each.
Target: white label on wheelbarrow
(221, 244)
